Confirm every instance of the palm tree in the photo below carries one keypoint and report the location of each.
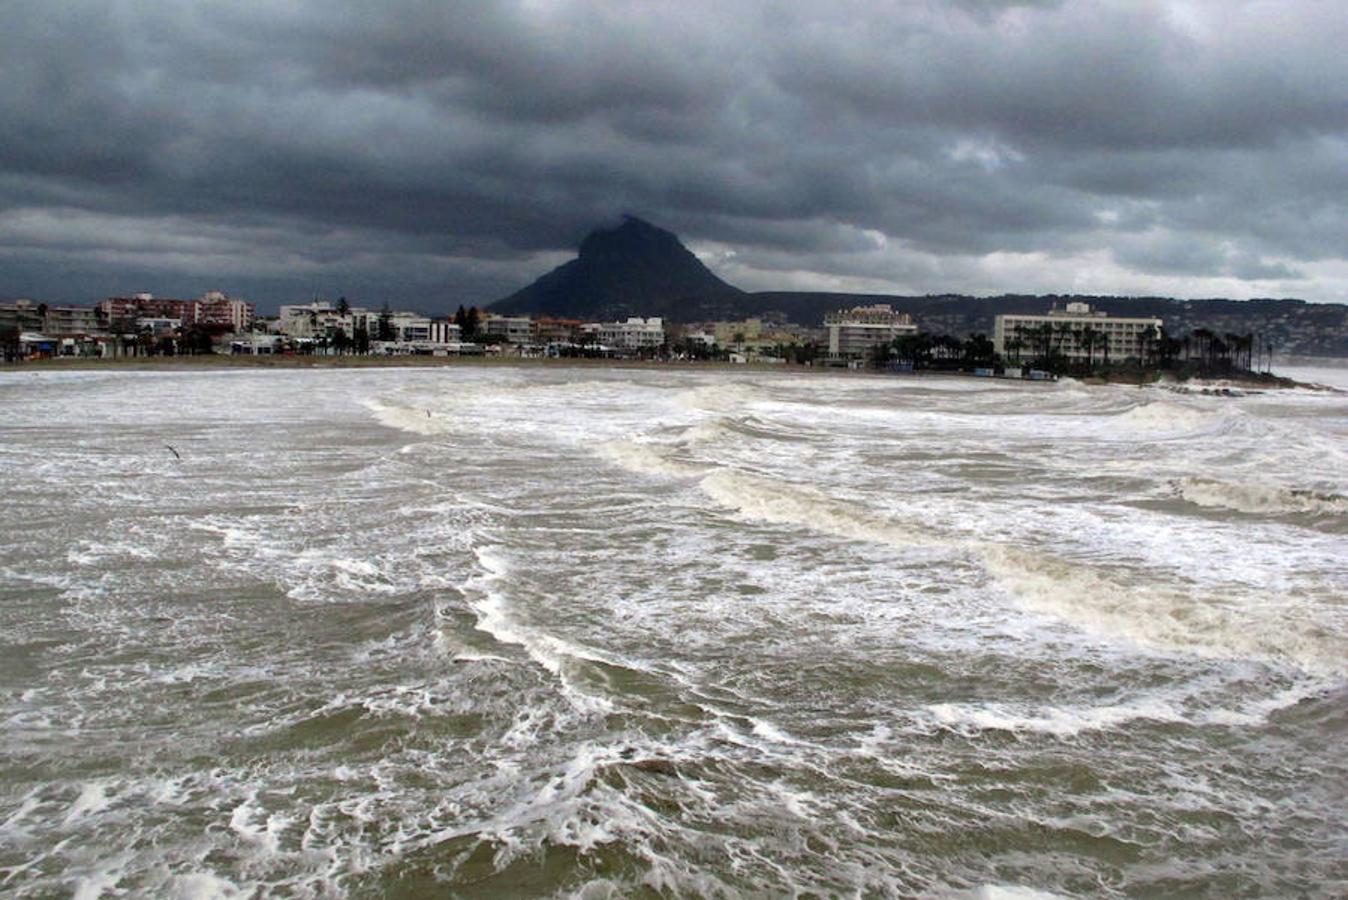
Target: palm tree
(1151, 339)
(1088, 338)
(1203, 338)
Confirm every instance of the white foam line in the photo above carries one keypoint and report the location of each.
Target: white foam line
(1160, 618)
(781, 503)
(647, 459)
(495, 618)
(1163, 618)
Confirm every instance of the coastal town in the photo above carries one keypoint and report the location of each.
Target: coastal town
(1074, 338)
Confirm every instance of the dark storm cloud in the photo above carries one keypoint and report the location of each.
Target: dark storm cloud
(442, 151)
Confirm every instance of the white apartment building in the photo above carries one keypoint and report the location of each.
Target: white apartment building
(445, 331)
(852, 332)
(316, 319)
(1116, 338)
(634, 334)
(407, 327)
(158, 325)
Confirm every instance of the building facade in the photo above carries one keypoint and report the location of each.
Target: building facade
(634, 335)
(212, 310)
(852, 332)
(22, 315)
(215, 310)
(507, 329)
(1077, 332)
(115, 310)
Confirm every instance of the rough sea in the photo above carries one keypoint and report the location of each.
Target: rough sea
(601, 632)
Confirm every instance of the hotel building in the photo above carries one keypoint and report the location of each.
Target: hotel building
(852, 332)
(1116, 338)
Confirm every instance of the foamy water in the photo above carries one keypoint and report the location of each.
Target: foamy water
(571, 632)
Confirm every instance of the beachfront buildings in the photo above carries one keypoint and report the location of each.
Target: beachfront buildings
(387, 331)
(212, 310)
(631, 336)
(1077, 332)
(852, 332)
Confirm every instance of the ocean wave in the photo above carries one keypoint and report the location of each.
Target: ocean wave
(1260, 497)
(496, 617)
(647, 459)
(1164, 417)
(415, 420)
(781, 503)
(723, 397)
(1162, 617)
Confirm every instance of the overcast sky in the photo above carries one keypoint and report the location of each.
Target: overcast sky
(432, 153)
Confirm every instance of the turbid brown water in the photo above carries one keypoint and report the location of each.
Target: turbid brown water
(487, 631)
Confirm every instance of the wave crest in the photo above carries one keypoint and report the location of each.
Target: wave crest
(1168, 619)
(1160, 416)
(782, 503)
(1260, 498)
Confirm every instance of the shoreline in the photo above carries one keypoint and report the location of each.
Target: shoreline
(220, 361)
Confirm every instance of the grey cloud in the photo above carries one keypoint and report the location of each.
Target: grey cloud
(468, 138)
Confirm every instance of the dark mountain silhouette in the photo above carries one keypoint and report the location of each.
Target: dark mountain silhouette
(637, 269)
(633, 269)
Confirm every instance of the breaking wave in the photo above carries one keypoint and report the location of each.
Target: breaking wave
(647, 459)
(1260, 498)
(781, 503)
(1164, 417)
(722, 397)
(1162, 617)
(416, 420)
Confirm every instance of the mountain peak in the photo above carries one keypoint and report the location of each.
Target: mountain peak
(629, 268)
(630, 237)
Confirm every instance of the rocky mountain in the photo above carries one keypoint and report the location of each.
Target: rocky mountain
(637, 269)
(632, 269)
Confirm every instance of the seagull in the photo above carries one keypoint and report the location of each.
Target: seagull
(176, 454)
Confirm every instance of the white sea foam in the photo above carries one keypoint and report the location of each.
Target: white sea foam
(723, 396)
(496, 618)
(1258, 497)
(413, 419)
(1162, 617)
(780, 503)
(647, 458)
(1162, 417)
(205, 886)
(1058, 721)
(93, 798)
(1010, 892)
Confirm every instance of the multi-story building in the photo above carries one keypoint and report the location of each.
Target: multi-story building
(315, 319)
(550, 330)
(633, 335)
(21, 315)
(445, 331)
(72, 320)
(507, 329)
(214, 309)
(852, 332)
(1077, 332)
(137, 306)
